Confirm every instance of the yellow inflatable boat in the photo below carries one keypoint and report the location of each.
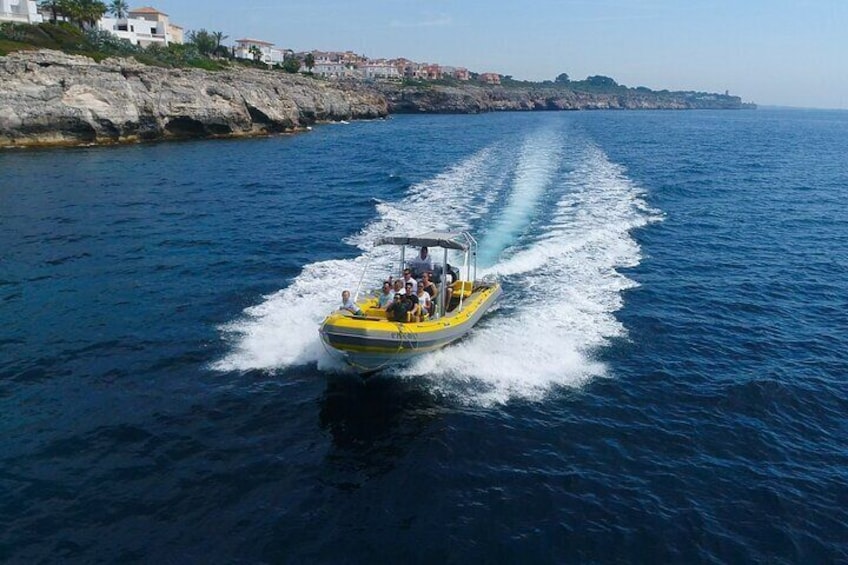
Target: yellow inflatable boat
(372, 340)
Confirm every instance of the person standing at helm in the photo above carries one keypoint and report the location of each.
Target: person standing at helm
(421, 264)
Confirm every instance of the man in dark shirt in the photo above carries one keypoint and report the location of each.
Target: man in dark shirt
(414, 313)
(398, 310)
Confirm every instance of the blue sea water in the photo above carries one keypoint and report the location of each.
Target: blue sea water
(664, 380)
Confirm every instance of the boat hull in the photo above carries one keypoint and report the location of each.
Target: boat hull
(372, 343)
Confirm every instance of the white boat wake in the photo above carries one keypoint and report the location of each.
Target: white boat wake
(559, 217)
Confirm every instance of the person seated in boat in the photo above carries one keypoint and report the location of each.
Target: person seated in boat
(425, 304)
(428, 285)
(449, 275)
(397, 287)
(386, 296)
(432, 291)
(407, 279)
(421, 263)
(414, 313)
(398, 310)
(350, 305)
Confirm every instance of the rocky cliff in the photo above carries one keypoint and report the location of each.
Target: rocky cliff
(50, 98)
(473, 98)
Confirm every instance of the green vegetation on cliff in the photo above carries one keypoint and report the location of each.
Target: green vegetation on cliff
(203, 49)
(98, 45)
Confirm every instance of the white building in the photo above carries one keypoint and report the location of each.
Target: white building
(330, 69)
(269, 54)
(23, 11)
(379, 69)
(144, 26)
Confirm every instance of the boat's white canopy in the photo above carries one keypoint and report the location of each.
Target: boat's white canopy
(460, 241)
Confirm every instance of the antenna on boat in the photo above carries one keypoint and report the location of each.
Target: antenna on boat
(359, 285)
(402, 260)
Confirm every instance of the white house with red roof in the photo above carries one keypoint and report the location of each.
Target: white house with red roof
(144, 26)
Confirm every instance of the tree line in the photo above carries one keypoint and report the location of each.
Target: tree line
(83, 12)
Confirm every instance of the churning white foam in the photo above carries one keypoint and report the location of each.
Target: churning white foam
(561, 293)
(538, 161)
(561, 281)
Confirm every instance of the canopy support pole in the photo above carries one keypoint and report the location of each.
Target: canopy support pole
(443, 294)
(474, 251)
(466, 267)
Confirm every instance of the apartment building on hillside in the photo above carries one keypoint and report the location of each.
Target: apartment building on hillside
(258, 50)
(144, 26)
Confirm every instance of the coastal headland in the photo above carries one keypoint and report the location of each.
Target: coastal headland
(50, 98)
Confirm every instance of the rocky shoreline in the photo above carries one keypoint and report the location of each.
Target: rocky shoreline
(473, 98)
(50, 98)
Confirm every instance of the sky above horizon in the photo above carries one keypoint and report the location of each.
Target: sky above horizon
(775, 52)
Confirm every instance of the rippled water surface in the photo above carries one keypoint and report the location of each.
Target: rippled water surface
(664, 380)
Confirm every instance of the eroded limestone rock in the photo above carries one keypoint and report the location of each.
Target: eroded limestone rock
(48, 97)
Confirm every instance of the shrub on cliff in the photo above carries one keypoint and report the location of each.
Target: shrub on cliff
(9, 40)
(176, 55)
(291, 65)
(65, 37)
(61, 37)
(105, 42)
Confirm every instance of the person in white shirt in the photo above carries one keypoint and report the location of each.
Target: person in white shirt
(423, 263)
(407, 279)
(350, 305)
(398, 287)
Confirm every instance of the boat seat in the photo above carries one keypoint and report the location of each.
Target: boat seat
(376, 313)
(462, 289)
